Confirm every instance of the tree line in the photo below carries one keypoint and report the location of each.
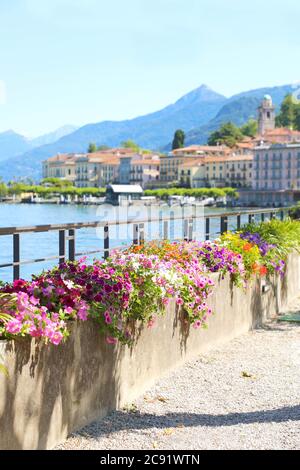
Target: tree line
(49, 187)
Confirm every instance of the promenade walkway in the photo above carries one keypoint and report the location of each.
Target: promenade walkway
(243, 395)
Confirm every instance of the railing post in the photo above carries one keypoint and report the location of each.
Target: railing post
(281, 215)
(160, 225)
(207, 228)
(141, 234)
(166, 230)
(16, 256)
(251, 218)
(71, 240)
(172, 226)
(238, 222)
(62, 246)
(272, 215)
(185, 229)
(135, 234)
(262, 217)
(224, 224)
(191, 229)
(106, 241)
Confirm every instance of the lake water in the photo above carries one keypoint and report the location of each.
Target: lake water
(41, 245)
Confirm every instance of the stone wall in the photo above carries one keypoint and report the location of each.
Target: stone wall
(52, 391)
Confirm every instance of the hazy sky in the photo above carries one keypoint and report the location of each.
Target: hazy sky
(80, 61)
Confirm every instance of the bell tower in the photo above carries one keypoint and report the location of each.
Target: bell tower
(266, 115)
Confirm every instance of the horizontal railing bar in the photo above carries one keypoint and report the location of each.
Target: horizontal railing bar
(95, 224)
(32, 261)
(6, 265)
(83, 253)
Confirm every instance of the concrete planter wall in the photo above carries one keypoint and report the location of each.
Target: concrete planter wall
(52, 391)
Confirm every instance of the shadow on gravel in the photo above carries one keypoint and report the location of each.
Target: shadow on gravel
(277, 326)
(119, 421)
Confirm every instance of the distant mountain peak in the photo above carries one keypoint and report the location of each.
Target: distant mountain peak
(201, 94)
(52, 137)
(10, 132)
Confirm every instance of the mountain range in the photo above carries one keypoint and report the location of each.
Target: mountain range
(198, 113)
(13, 144)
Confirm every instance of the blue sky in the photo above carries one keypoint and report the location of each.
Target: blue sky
(80, 61)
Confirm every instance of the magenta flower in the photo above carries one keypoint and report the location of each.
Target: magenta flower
(14, 326)
(111, 340)
(83, 313)
(107, 318)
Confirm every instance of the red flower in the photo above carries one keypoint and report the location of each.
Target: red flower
(247, 247)
(263, 271)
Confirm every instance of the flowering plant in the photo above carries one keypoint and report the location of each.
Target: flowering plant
(138, 283)
(207, 256)
(217, 259)
(25, 316)
(160, 280)
(249, 252)
(271, 260)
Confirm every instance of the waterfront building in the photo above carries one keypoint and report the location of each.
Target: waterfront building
(96, 169)
(217, 172)
(277, 167)
(181, 164)
(276, 176)
(60, 166)
(142, 169)
(169, 167)
(118, 193)
(145, 171)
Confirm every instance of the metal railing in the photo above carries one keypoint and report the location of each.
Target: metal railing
(67, 233)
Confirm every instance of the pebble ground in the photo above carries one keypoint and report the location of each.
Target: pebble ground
(243, 395)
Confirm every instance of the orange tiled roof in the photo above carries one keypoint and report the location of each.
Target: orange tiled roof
(278, 133)
(62, 157)
(202, 148)
(93, 158)
(116, 152)
(246, 145)
(227, 158)
(282, 131)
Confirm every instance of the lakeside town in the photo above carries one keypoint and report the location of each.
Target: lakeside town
(262, 168)
(149, 230)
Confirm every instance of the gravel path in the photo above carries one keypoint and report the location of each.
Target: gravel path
(243, 395)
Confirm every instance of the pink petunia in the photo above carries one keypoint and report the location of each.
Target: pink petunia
(111, 340)
(83, 313)
(107, 318)
(13, 326)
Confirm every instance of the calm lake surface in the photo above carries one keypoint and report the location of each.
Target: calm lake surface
(41, 245)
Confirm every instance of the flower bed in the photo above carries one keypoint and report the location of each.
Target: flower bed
(137, 284)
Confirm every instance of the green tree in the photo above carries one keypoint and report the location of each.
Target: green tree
(288, 111)
(297, 118)
(3, 189)
(103, 147)
(178, 141)
(130, 144)
(92, 148)
(250, 129)
(56, 182)
(228, 134)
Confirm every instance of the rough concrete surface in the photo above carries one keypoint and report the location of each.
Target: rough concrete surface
(242, 395)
